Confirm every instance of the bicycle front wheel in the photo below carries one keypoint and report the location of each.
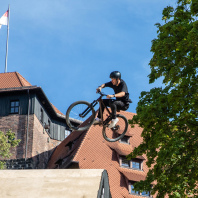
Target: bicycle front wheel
(118, 132)
(80, 115)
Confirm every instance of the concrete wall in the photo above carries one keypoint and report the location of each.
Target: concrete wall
(67, 183)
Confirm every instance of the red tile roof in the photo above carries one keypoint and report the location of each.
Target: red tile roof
(91, 151)
(57, 111)
(12, 79)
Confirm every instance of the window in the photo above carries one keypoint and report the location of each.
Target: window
(144, 193)
(49, 123)
(14, 107)
(133, 164)
(67, 133)
(124, 162)
(132, 191)
(42, 116)
(136, 164)
(125, 139)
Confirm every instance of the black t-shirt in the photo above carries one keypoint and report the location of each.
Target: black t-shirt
(122, 87)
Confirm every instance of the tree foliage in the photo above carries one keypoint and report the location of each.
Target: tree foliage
(7, 141)
(169, 114)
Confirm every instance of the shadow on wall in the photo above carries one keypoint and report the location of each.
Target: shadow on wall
(37, 162)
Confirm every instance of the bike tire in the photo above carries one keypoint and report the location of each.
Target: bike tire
(118, 132)
(73, 115)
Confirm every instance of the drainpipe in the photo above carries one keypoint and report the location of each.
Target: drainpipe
(27, 133)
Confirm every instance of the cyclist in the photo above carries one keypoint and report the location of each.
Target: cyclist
(121, 94)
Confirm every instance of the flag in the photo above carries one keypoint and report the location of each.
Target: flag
(4, 19)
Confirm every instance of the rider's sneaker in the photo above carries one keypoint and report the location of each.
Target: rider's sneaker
(113, 123)
(97, 121)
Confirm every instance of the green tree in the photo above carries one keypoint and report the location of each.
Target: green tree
(7, 141)
(169, 114)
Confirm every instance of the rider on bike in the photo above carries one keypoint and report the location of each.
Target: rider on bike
(121, 94)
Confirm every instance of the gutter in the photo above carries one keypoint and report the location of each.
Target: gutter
(27, 133)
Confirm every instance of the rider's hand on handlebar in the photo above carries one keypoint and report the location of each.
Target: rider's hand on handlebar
(98, 89)
(110, 96)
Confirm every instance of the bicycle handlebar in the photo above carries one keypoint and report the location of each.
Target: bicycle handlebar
(101, 93)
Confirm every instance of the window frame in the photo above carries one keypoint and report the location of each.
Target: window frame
(130, 162)
(14, 107)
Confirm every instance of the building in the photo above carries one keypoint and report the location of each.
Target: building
(26, 110)
(89, 150)
(45, 142)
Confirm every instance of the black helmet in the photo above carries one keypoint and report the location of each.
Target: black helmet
(115, 74)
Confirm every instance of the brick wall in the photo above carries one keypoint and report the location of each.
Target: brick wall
(17, 123)
(39, 145)
(43, 145)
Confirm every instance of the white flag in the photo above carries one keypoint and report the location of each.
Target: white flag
(4, 19)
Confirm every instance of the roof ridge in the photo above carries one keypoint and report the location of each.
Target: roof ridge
(21, 77)
(17, 74)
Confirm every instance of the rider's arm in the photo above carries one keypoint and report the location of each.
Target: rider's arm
(100, 87)
(118, 95)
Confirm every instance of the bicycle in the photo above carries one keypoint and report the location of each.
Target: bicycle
(84, 112)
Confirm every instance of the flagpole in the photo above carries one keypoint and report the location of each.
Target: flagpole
(7, 39)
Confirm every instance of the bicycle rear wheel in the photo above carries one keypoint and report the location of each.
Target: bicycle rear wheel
(80, 115)
(116, 133)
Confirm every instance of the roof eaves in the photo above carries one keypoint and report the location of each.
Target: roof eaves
(49, 103)
(76, 121)
(17, 88)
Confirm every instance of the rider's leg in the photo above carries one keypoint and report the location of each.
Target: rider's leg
(114, 106)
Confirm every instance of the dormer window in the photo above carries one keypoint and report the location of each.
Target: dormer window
(14, 107)
(133, 164)
(125, 140)
(124, 162)
(136, 164)
(132, 191)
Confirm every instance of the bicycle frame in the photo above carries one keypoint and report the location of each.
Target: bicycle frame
(100, 101)
(93, 104)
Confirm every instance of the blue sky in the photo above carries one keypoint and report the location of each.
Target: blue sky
(69, 48)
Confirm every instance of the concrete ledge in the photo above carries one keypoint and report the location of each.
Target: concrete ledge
(51, 183)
